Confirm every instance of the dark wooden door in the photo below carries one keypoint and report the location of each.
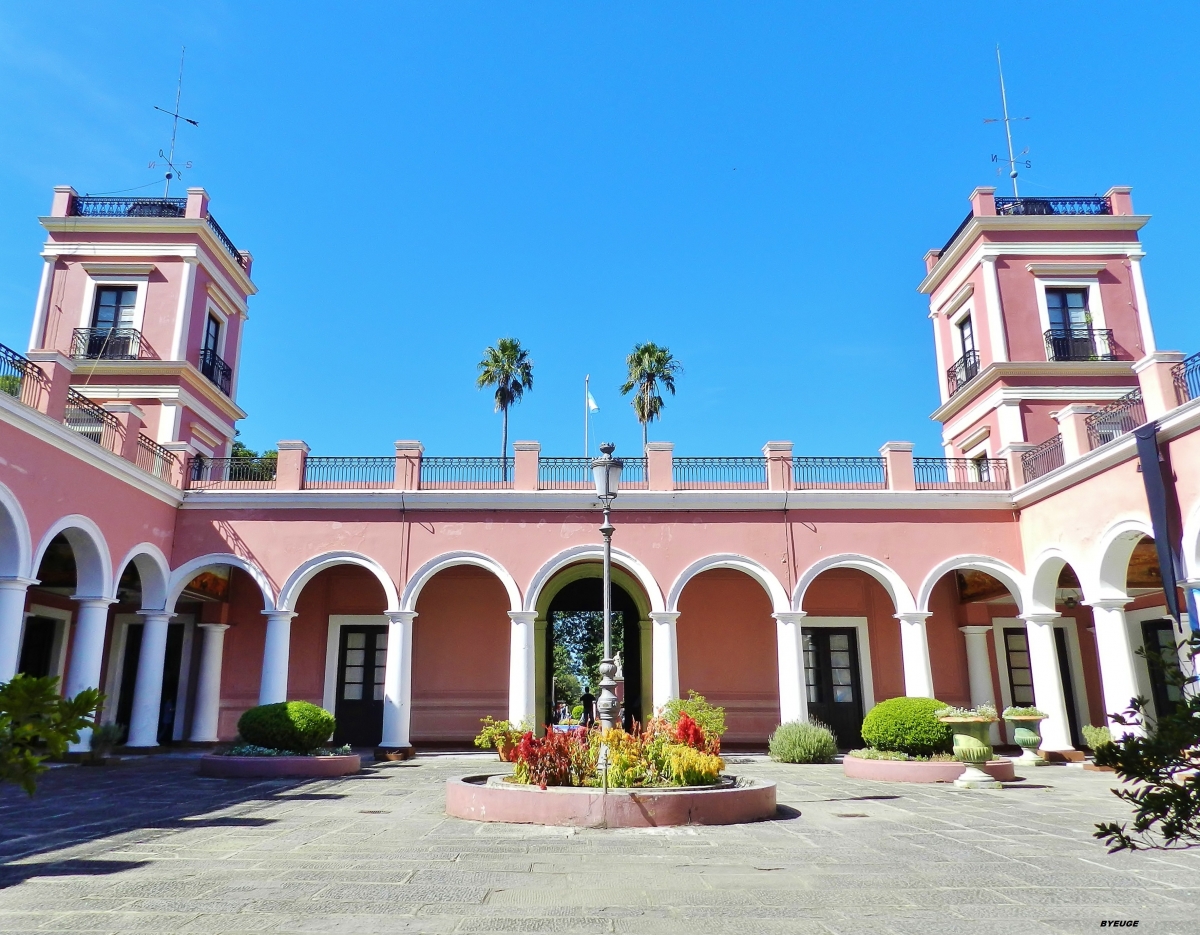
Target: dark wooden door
(1068, 685)
(1158, 638)
(362, 655)
(834, 684)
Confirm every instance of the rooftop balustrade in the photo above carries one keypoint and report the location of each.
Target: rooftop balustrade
(154, 459)
(93, 422)
(20, 377)
(342, 473)
(720, 473)
(1035, 207)
(1186, 375)
(839, 474)
(961, 473)
(1115, 419)
(466, 473)
(232, 473)
(576, 474)
(1043, 459)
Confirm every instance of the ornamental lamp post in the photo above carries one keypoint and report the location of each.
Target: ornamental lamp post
(607, 473)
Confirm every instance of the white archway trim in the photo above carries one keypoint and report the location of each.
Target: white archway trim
(17, 565)
(1116, 548)
(187, 571)
(93, 562)
(892, 582)
(775, 590)
(154, 570)
(1191, 543)
(418, 580)
(1043, 579)
(999, 570)
(290, 592)
(581, 553)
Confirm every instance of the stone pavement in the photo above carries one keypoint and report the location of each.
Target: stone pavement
(148, 846)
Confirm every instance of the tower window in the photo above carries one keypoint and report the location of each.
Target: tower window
(212, 334)
(966, 335)
(1068, 309)
(114, 307)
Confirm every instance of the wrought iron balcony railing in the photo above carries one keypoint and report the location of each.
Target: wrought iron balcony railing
(1186, 375)
(349, 473)
(1043, 459)
(961, 473)
(92, 421)
(106, 344)
(576, 474)
(20, 377)
(157, 460)
(87, 207)
(1085, 204)
(963, 371)
(720, 473)
(839, 473)
(216, 370)
(232, 473)
(1115, 419)
(1079, 344)
(466, 473)
(226, 242)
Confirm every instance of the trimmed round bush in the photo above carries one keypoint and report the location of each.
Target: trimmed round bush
(297, 726)
(907, 725)
(802, 742)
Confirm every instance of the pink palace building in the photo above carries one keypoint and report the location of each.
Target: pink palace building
(413, 594)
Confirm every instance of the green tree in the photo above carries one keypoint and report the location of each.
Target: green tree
(1158, 768)
(37, 723)
(650, 367)
(508, 368)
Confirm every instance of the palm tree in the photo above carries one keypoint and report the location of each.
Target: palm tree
(649, 367)
(508, 368)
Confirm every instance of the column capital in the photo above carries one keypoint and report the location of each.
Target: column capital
(1109, 603)
(789, 616)
(973, 630)
(664, 616)
(1192, 584)
(17, 583)
(913, 616)
(93, 601)
(522, 616)
(168, 614)
(274, 614)
(1039, 618)
(215, 627)
(400, 616)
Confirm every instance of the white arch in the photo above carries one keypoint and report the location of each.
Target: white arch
(16, 546)
(154, 571)
(188, 570)
(580, 553)
(1116, 548)
(1044, 575)
(999, 570)
(412, 590)
(779, 599)
(93, 562)
(290, 592)
(892, 582)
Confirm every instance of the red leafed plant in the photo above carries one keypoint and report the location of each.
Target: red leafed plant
(688, 732)
(558, 759)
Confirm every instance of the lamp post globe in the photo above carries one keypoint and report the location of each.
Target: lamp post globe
(606, 470)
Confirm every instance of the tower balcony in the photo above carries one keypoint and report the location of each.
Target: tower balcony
(108, 344)
(962, 372)
(219, 372)
(1079, 344)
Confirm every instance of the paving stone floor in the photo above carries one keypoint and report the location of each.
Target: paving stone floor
(148, 846)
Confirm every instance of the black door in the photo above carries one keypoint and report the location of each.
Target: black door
(1068, 685)
(362, 656)
(172, 662)
(37, 646)
(1158, 638)
(832, 678)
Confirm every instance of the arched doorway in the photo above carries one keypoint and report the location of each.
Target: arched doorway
(570, 611)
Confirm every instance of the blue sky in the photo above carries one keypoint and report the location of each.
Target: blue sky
(753, 185)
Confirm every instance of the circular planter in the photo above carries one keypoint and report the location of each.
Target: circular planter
(279, 767)
(1026, 736)
(490, 798)
(921, 770)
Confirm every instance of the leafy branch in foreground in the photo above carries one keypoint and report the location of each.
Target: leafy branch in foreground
(37, 723)
(1162, 765)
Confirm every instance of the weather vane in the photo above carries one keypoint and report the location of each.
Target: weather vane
(1013, 161)
(169, 157)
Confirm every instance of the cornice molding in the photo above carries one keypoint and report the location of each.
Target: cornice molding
(986, 378)
(191, 379)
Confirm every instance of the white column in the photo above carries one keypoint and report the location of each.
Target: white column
(397, 680)
(914, 646)
(793, 696)
(979, 670)
(276, 651)
(665, 656)
(521, 700)
(1117, 675)
(12, 623)
(87, 654)
(147, 690)
(1047, 681)
(208, 686)
(995, 314)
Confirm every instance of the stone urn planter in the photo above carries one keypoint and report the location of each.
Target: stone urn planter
(1027, 736)
(972, 748)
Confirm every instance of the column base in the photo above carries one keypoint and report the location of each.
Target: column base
(393, 753)
(1063, 756)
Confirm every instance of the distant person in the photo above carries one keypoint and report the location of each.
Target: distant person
(588, 701)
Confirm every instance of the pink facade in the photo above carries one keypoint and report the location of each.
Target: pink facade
(414, 600)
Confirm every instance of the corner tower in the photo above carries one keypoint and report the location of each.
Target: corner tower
(1038, 306)
(144, 300)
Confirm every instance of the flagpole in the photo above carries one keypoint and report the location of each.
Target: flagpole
(587, 448)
